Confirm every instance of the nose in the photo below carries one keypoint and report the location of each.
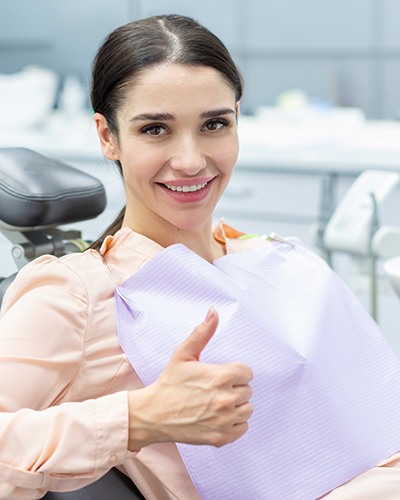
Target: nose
(187, 156)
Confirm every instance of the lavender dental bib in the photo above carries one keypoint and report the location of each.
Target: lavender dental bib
(326, 384)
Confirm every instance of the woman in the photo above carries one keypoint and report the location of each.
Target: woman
(166, 97)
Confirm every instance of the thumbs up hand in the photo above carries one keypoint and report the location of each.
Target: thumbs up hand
(192, 402)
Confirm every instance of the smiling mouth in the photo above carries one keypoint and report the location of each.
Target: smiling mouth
(186, 189)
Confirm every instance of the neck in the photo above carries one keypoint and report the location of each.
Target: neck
(209, 249)
(199, 240)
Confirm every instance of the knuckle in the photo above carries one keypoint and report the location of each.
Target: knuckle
(251, 410)
(247, 410)
(225, 377)
(223, 436)
(244, 428)
(220, 440)
(216, 438)
(224, 401)
(243, 369)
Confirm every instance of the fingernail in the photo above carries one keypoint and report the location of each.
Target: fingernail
(210, 314)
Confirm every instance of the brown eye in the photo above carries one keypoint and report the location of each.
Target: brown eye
(154, 130)
(216, 124)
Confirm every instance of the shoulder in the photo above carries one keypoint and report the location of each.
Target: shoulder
(73, 276)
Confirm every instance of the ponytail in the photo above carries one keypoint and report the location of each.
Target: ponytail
(111, 230)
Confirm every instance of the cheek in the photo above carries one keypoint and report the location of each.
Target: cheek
(227, 156)
(140, 163)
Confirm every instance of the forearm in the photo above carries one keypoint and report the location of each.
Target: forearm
(63, 447)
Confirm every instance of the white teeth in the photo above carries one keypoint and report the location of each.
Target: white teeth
(186, 189)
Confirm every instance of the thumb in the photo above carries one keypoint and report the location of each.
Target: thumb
(191, 348)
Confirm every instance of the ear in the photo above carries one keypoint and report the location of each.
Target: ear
(108, 141)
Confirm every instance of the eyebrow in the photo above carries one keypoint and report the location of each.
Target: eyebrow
(218, 112)
(212, 113)
(153, 117)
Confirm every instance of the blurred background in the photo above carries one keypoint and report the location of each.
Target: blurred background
(321, 108)
(340, 52)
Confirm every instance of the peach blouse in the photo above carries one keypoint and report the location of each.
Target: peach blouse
(64, 382)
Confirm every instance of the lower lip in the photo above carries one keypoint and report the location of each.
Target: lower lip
(190, 196)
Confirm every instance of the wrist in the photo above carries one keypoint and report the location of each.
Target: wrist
(141, 427)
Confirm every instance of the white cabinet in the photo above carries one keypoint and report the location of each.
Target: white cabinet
(263, 201)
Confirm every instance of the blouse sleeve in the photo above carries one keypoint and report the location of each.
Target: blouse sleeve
(45, 445)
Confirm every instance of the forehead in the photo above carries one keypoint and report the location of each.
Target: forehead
(175, 84)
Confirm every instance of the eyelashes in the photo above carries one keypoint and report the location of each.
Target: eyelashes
(155, 129)
(216, 124)
(160, 129)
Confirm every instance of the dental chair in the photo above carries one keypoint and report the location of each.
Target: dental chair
(37, 195)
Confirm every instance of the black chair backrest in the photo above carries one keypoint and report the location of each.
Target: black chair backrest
(37, 192)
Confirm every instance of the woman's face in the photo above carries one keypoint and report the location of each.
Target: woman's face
(177, 144)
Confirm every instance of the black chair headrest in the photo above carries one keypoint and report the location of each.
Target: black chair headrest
(38, 192)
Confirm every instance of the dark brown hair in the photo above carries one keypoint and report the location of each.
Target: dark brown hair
(141, 44)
